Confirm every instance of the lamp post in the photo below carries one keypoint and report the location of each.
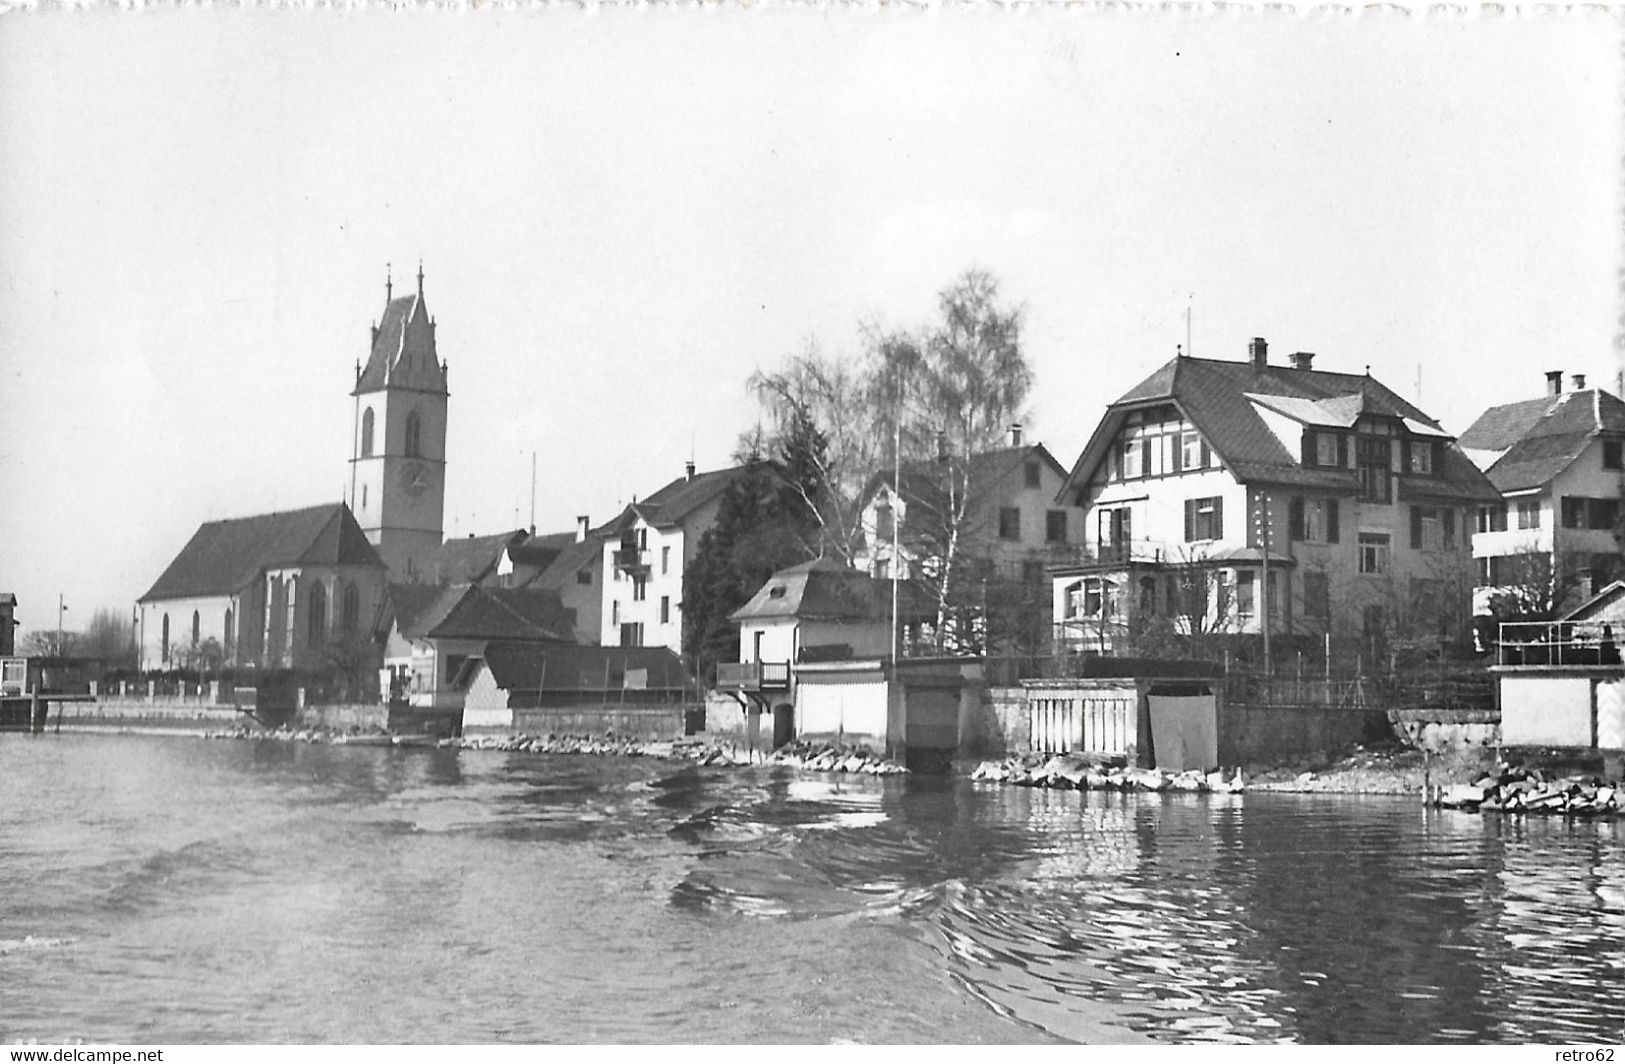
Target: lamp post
(60, 610)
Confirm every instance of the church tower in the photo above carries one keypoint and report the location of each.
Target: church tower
(398, 462)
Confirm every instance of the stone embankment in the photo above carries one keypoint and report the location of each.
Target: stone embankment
(1082, 773)
(815, 757)
(1514, 790)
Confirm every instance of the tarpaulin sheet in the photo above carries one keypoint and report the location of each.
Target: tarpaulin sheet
(1185, 732)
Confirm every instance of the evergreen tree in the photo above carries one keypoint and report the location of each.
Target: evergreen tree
(764, 523)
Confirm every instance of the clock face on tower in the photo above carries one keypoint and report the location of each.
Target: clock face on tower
(414, 478)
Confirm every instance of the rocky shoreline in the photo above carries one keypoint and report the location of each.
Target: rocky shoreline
(814, 757)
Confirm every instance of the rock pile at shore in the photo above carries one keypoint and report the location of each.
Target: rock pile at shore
(831, 757)
(1083, 773)
(814, 757)
(1524, 790)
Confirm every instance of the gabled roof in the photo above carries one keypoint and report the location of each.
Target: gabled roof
(922, 481)
(569, 561)
(223, 557)
(825, 590)
(1222, 399)
(582, 668)
(1539, 438)
(470, 611)
(471, 559)
(668, 507)
(1603, 605)
(403, 349)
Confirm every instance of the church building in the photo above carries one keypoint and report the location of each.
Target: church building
(305, 588)
(398, 465)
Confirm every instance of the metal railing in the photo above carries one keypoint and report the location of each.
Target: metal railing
(1567, 643)
(753, 675)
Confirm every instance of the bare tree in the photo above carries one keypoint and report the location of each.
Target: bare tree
(47, 643)
(928, 401)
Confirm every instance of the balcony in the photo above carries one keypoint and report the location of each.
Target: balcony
(631, 560)
(753, 675)
(1569, 644)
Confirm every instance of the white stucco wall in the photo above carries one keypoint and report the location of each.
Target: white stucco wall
(1546, 710)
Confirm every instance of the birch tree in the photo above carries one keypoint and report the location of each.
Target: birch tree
(927, 401)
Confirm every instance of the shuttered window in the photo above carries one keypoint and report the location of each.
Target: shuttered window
(1204, 519)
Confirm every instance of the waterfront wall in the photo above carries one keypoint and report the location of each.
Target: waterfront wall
(1262, 734)
(1248, 734)
(1438, 730)
(658, 723)
(139, 713)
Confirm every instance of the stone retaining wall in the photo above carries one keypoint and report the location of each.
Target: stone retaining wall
(136, 713)
(651, 723)
(1252, 735)
(1004, 725)
(1438, 730)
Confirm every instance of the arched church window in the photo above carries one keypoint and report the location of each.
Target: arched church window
(195, 626)
(230, 637)
(318, 614)
(414, 433)
(164, 646)
(366, 433)
(352, 607)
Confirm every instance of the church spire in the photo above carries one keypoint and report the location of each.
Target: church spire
(389, 284)
(420, 276)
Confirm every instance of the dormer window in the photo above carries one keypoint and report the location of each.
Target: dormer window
(1422, 457)
(1326, 449)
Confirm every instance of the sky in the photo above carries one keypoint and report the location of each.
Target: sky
(622, 213)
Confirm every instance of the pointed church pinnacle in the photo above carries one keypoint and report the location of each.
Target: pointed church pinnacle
(420, 276)
(389, 283)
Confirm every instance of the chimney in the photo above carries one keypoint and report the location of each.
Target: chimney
(688, 469)
(1554, 382)
(1015, 434)
(1579, 382)
(581, 528)
(1302, 359)
(1258, 352)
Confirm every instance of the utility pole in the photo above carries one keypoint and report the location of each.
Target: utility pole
(60, 609)
(1264, 571)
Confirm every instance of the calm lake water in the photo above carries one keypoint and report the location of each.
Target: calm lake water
(178, 890)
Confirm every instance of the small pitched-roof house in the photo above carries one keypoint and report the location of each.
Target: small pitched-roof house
(514, 676)
(274, 590)
(1208, 472)
(1558, 463)
(646, 550)
(436, 634)
(819, 610)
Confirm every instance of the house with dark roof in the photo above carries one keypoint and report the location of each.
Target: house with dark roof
(475, 559)
(1008, 515)
(278, 590)
(1558, 463)
(436, 635)
(819, 610)
(570, 565)
(513, 677)
(1210, 481)
(647, 548)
